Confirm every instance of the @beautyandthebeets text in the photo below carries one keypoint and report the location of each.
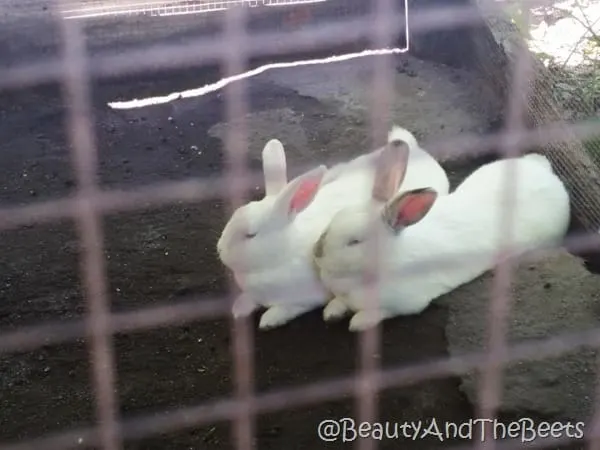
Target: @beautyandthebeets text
(526, 430)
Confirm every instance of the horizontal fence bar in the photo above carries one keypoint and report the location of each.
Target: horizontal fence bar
(193, 190)
(27, 338)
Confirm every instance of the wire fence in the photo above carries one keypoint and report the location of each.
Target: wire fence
(88, 205)
(572, 58)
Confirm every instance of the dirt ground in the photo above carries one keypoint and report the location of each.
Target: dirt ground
(162, 255)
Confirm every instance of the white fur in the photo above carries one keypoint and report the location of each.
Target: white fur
(274, 269)
(467, 220)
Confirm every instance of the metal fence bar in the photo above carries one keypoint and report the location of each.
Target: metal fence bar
(192, 190)
(27, 338)
(594, 429)
(89, 227)
(234, 60)
(369, 342)
(34, 336)
(490, 386)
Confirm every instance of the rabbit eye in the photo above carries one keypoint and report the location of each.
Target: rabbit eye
(249, 235)
(353, 242)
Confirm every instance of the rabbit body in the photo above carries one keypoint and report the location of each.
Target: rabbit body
(419, 227)
(268, 243)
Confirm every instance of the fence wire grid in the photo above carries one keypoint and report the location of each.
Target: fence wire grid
(91, 203)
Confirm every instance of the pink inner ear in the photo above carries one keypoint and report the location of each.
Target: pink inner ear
(304, 195)
(412, 209)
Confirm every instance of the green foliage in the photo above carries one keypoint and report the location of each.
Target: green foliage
(518, 19)
(575, 89)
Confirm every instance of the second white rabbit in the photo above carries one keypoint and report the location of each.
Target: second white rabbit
(419, 226)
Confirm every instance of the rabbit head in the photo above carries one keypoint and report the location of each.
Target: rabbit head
(343, 246)
(255, 235)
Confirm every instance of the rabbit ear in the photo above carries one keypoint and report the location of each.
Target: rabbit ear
(390, 171)
(398, 133)
(371, 160)
(274, 167)
(408, 208)
(299, 193)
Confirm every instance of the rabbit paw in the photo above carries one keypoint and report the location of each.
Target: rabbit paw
(243, 307)
(335, 310)
(364, 320)
(276, 316)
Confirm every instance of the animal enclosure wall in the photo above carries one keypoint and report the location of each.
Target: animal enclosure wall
(120, 168)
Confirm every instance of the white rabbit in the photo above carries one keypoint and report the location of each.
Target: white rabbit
(419, 226)
(268, 243)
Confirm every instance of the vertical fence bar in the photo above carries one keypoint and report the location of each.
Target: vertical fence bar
(490, 386)
(370, 339)
(594, 429)
(236, 170)
(76, 85)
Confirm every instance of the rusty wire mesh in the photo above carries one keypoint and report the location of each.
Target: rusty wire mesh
(91, 202)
